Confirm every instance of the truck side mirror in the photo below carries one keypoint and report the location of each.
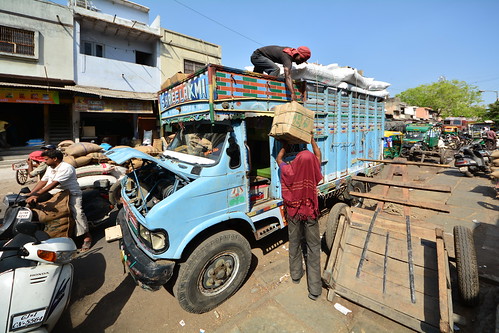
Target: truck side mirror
(234, 153)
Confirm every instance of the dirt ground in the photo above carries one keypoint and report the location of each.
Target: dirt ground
(105, 299)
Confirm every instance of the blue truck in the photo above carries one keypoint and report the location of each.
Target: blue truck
(191, 215)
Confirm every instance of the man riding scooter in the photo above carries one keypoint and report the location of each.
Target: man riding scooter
(62, 176)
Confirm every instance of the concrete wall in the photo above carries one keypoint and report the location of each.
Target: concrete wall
(176, 47)
(54, 24)
(124, 9)
(119, 75)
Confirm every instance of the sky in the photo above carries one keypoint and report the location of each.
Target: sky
(404, 42)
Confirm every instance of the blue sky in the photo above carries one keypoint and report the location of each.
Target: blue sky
(404, 42)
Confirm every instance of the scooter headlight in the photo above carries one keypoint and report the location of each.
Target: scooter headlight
(58, 257)
(156, 240)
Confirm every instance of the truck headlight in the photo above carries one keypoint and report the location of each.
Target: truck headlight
(156, 240)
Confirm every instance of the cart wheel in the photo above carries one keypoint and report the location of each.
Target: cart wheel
(467, 270)
(339, 211)
(22, 176)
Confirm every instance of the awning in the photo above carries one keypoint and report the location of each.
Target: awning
(104, 92)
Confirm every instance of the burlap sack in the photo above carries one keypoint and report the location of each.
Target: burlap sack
(495, 154)
(495, 162)
(82, 148)
(98, 157)
(70, 160)
(495, 174)
(148, 150)
(65, 143)
(121, 147)
(56, 215)
(82, 160)
(94, 169)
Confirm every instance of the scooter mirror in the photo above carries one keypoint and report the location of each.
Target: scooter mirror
(25, 190)
(27, 228)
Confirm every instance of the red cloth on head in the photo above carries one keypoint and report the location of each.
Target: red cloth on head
(299, 181)
(36, 156)
(303, 51)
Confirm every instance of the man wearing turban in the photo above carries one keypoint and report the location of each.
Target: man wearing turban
(265, 58)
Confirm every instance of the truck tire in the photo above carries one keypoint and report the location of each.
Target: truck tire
(21, 176)
(213, 272)
(356, 186)
(339, 211)
(466, 265)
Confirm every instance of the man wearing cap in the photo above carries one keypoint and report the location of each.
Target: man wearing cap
(36, 162)
(265, 58)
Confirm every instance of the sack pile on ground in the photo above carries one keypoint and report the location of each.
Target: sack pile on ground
(495, 162)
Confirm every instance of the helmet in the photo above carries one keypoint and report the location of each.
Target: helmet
(48, 147)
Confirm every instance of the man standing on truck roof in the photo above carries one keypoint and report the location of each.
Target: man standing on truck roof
(265, 58)
(299, 179)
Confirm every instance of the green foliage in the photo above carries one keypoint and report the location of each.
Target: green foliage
(492, 113)
(449, 98)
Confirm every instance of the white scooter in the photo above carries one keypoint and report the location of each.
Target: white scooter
(36, 277)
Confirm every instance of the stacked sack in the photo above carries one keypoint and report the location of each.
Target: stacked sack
(495, 164)
(83, 153)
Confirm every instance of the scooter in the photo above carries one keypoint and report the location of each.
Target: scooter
(36, 276)
(472, 159)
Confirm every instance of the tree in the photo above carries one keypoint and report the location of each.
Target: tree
(448, 98)
(492, 112)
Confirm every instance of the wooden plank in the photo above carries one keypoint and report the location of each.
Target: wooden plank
(402, 161)
(425, 309)
(419, 204)
(426, 278)
(336, 252)
(424, 253)
(413, 185)
(398, 226)
(442, 282)
(387, 311)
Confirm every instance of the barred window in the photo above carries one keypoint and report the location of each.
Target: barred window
(17, 41)
(192, 66)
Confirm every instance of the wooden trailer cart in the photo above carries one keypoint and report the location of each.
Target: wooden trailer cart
(395, 265)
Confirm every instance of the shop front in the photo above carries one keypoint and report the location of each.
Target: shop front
(35, 116)
(120, 120)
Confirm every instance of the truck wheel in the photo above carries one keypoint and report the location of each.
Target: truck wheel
(213, 272)
(356, 186)
(21, 176)
(467, 270)
(339, 211)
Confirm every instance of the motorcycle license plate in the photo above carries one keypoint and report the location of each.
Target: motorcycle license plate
(23, 214)
(27, 319)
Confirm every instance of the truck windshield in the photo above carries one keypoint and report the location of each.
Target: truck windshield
(414, 135)
(203, 141)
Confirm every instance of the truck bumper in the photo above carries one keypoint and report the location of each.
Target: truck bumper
(148, 273)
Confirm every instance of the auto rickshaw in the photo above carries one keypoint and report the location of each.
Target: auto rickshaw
(392, 144)
(451, 130)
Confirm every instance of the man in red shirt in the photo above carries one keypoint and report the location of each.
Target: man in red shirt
(265, 58)
(299, 179)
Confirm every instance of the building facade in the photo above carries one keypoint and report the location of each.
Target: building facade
(91, 69)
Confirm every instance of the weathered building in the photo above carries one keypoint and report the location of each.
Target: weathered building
(87, 70)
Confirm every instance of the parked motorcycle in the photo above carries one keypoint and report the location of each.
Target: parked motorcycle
(472, 159)
(36, 276)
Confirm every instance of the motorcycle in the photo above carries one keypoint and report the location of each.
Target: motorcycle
(36, 276)
(472, 159)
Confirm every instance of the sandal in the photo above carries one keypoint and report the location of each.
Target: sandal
(87, 244)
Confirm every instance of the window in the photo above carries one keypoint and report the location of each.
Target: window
(17, 41)
(192, 66)
(93, 49)
(144, 58)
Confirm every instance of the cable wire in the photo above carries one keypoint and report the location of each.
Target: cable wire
(221, 24)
